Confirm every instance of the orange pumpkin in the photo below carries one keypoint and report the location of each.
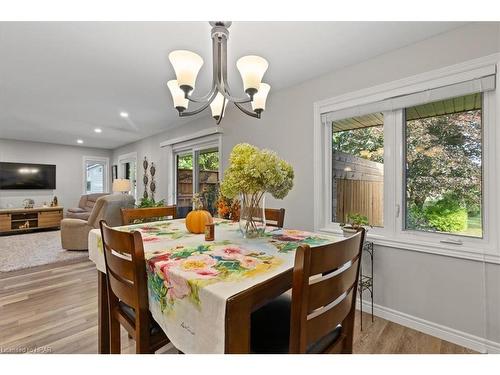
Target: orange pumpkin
(197, 220)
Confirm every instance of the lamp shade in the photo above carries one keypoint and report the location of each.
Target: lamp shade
(186, 64)
(121, 185)
(216, 106)
(178, 96)
(252, 69)
(259, 99)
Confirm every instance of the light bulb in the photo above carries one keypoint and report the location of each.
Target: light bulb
(259, 99)
(178, 96)
(252, 69)
(187, 66)
(216, 106)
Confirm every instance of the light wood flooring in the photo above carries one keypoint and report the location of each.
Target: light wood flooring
(53, 309)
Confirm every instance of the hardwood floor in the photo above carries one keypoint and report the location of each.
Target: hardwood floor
(53, 309)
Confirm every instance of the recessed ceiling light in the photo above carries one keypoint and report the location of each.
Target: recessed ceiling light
(79, 141)
(98, 130)
(124, 114)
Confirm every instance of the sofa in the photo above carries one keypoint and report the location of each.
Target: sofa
(75, 232)
(85, 206)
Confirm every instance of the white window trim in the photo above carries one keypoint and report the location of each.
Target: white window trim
(392, 235)
(107, 172)
(126, 158)
(193, 143)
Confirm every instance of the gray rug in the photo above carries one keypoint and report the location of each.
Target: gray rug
(34, 249)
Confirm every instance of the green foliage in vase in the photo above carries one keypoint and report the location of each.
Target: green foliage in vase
(252, 170)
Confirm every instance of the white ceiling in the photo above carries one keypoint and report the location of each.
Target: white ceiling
(59, 81)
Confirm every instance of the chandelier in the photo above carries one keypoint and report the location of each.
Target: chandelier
(187, 64)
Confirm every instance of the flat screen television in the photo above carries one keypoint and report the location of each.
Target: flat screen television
(27, 176)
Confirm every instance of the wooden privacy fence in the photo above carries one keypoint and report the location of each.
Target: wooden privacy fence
(357, 188)
(363, 197)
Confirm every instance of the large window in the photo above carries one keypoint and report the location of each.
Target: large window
(444, 166)
(417, 158)
(358, 169)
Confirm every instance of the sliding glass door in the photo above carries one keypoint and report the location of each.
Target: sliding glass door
(184, 184)
(197, 171)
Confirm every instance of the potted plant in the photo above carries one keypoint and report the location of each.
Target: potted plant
(354, 222)
(251, 173)
(150, 202)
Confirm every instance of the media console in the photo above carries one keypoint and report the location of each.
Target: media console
(19, 220)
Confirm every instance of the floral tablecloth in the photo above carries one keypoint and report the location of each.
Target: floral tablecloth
(190, 280)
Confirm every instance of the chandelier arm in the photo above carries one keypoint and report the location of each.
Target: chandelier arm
(222, 85)
(246, 111)
(215, 73)
(199, 110)
(204, 98)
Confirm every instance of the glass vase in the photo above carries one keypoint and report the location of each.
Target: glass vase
(252, 214)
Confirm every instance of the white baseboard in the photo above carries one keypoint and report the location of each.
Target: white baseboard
(444, 333)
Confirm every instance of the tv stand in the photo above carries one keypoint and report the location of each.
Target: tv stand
(21, 220)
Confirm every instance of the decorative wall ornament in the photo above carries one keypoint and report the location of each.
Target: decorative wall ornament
(152, 185)
(145, 178)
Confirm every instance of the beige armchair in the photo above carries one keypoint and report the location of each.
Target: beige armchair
(75, 232)
(85, 206)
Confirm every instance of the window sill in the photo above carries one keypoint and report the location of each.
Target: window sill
(463, 252)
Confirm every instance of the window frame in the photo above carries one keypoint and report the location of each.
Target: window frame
(106, 170)
(394, 234)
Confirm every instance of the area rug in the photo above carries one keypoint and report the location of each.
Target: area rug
(34, 249)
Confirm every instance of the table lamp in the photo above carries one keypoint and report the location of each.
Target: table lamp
(121, 185)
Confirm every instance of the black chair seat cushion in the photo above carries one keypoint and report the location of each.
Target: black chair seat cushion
(154, 328)
(270, 329)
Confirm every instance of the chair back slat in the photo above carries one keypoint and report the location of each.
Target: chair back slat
(328, 288)
(121, 266)
(318, 326)
(118, 241)
(331, 257)
(275, 217)
(130, 215)
(325, 280)
(125, 265)
(123, 289)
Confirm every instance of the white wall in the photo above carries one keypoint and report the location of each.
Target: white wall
(69, 170)
(450, 293)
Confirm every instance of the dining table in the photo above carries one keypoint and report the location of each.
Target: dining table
(202, 293)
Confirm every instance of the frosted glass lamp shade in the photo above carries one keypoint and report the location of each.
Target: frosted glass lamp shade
(178, 96)
(216, 106)
(187, 66)
(121, 185)
(259, 99)
(252, 69)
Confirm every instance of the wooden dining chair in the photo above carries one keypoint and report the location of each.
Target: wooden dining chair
(127, 291)
(133, 215)
(319, 317)
(276, 217)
